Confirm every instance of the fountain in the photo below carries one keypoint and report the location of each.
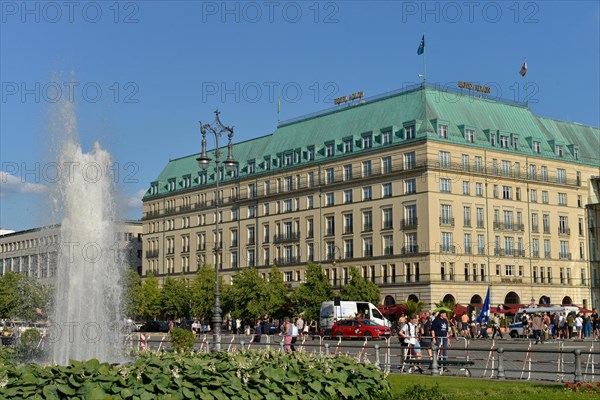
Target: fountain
(87, 313)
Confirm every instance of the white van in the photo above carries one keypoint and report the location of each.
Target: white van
(516, 328)
(348, 309)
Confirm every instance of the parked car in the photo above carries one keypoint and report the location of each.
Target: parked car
(155, 326)
(355, 328)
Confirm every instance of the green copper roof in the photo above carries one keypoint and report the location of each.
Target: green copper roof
(425, 107)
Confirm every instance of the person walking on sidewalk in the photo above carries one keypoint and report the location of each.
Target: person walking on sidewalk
(538, 326)
(496, 326)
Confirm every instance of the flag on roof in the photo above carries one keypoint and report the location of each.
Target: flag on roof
(421, 48)
(523, 70)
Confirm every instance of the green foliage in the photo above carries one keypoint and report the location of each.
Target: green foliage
(132, 287)
(311, 293)
(248, 293)
(423, 392)
(276, 294)
(359, 289)
(20, 295)
(182, 339)
(203, 292)
(174, 298)
(413, 307)
(8, 355)
(148, 302)
(27, 349)
(246, 375)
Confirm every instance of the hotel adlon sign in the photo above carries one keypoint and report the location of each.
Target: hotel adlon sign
(470, 86)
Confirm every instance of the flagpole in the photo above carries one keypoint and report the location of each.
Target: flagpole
(526, 85)
(278, 101)
(424, 61)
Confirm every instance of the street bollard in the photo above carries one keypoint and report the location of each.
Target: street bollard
(242, 344)
(327, 349)
(434, 362)
(501, 374)
(282, 345)
(577, 353)
(377, 361)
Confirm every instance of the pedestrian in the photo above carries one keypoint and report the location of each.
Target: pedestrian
(300, 325)
(537, 324)
(425, 335)
(496, 326)
(286, 331)
(171, 325)
(413, 341)
(258, 331)
(313, 328)
(578, 325)
(464, 320)
(402, 338)
(440, 330)
(294, 328)
(195, 327)
(570, 324)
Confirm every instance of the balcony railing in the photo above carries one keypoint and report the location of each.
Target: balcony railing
(413, 249)
(388, 225)
(286, 237)
(409, 223)
(367, 228)
(152, 254)
(564, 256)
(446, 221)
(564, 230)
(447, 249)
(286, 260)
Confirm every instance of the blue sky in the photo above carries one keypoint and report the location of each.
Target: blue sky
(143, 73)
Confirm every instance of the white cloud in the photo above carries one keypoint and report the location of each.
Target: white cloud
(12, 184)
(135, 200)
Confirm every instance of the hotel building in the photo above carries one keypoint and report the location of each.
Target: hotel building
(434, 194)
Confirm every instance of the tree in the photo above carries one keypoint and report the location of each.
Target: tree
(132, 286)
(413, 307)
(276, 294)
(148, 303)
(315, 290)
(202, 293)
(174, 298)
(359, 289)
(249, 295)
(22, 297)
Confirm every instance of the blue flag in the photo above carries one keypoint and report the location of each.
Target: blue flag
(421, 48)
(484, 315)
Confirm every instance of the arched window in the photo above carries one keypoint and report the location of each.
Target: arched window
(389, 300)
(512, 298)
(476, 299)
(449, 299)
(413, 297)
(567, 300)
(544, 300)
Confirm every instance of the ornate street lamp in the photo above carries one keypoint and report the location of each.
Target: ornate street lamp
(217, 129)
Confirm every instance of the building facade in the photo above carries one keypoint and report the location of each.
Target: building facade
(432, 194)
(35, 252)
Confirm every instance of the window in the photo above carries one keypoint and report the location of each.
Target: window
(387, 218)
(507, 192)
(329, 199)
(368, 247)
(410, 160)
(576, 153)
(347, 172)
(251, 167)
(410, 186)
(348, 248)
(465, 162)
(533, 196)
(367, 221)
(366, 142)
(535, 247)
(537, 147)
(561, 175)
(532, 171)
(477, 163)
(310, 153)
(544, 196)
(329, 225)
(495, 166)
(266, 235)
(495, 191)
(516, 143)
(366, 169)
(251, 258)
(547, 252)
(564, 250)
(251, 211)
(517, 169)
(367, 193)
(409, 132)
(444, 159)
(410, 215)
(544, 172)
(559, 150)
(563, 225)
(310, 228)
(579, 201)
(467, 216)
(470, 135)
(348, 223)
(479, 217)
(466, 188)
(546, 223)
(311, 179)
(287, 205)
(411, 243)
(447, 245)
(329, 175)
(347, 196)
(480, 245)
(310, 202)
(468, 244)
(348, 146)
(509, 270)
(446, 215)
(562, 199)
(386, 138)
(518, 194)
(505, 166)
(386, 190)
(504, 141)
(329, 150)
(493, 139)
(479, 189)
(443, 131)
(445, 185)
(386, 164)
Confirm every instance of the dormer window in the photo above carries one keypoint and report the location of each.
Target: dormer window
(366, 142)
(409, 132)
(493, 140)
(348, 146)
(297, 156)
(329, 150)
(516, 143)
(267, 163)
(251, 168)
(537, 148)
(187, 181)
(288, 159)
(386, 138)
(576, 153)
(443, 131)
(504, 142)
(171, 185)
(311, 153)
(559, 150)
(470, 135)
